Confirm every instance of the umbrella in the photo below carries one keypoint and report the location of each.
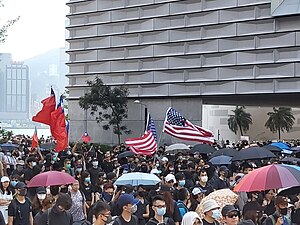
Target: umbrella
(48, 145)
(253, 153)
(203, 149)
(221, 160)
(51, 178)
(290, 191)
(175, 148)
(290, 159)
(8, 146)
(125, 154)
(222, 197)
(137, 178)
(281, 145)
(272, 148)
(225, 151)
(270, 177)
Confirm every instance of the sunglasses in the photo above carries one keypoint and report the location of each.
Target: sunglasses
(231, 215)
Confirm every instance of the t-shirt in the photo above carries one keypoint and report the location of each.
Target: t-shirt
(20, 211)
(207, 223)
(167, 221)
(77, 206)
(133, 221)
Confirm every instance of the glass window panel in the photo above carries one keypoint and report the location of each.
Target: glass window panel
(8, 74)
(8, 102)
(14, 87)
(14, 71)
(19, 86)
(24, 106)
(19, 102)
(13, 102)
(19, 74)
(8, 87)
(24, 87)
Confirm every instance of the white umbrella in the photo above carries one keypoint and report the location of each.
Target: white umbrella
(175, 148)
(137, 178)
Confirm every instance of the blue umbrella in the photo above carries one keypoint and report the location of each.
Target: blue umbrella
(137, 178)
(9, 146)
(281, 145)
(221, 160)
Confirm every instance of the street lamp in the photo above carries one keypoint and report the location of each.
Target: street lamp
(146, 111)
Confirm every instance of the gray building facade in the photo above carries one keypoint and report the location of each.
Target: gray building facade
(181, 54)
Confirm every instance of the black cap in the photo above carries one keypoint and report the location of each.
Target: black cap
(223, 168)
(227, 209)
(41, 190)
(20, 185)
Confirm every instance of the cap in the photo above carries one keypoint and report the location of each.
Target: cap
(198, 190)
(281, 200)
(41, 190)
(4, 179)
(164, 187)
(155, 171)
(227, 209)
(223, 168)
(20, 185)
(125, 199)
(170, 177)
(164, 159)
(209, 205)
(252, 206)
(20, 162)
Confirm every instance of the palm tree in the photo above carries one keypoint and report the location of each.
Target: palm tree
(280, 119)
(241, 120)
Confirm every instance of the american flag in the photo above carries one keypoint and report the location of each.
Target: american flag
(176, 125)
(147, 144)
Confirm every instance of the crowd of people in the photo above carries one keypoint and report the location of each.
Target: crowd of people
(186, 178)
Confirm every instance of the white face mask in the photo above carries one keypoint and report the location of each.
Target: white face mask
(41, 196)
(95, 163)
(204, 179)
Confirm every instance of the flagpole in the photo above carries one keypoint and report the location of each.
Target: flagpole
(162, 130)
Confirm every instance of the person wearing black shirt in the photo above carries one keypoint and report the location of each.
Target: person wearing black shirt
(107, 165)
(94, 171)
(143, 206)
(202, 182)
(20, 208)
(222, 182)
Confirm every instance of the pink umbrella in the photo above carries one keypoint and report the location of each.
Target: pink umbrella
(51, 178)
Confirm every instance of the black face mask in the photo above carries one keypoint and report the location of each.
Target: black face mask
(283, 211)
(141, 193)
(23, 192)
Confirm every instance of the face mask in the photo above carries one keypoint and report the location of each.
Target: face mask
(108, 219)
(161, 211)
(95, 164)
(181, 183)
(141, 193)
(19, 168)
(41, 196)
(171, 168)
(157, 165)
(204, 179)
(284, 211)
(79, 170)
(33, 164)
(107, 197)
(54, 159)
(133, 209)
(87, 179)
(68, 166)
(13, 183)
(216, 214)
(23, 192)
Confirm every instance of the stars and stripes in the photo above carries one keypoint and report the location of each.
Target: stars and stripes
(147, 144)
(177, 126)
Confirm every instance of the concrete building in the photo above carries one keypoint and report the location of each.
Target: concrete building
(14, 91)
(183, 54)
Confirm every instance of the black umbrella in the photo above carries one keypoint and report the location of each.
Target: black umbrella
(221, 160)
(47, 145)
(253, 153)
(125, 154)
(8, 146)
(203, 149)
(272, 148)
(225, 151)
(290, 159)
(290, 191)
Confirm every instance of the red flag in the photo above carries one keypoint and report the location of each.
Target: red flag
(44, 116)
(86, 138)
(35, 140)
(58, 129)
(176, 125)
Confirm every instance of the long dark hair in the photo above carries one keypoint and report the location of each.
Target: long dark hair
(7, 189)
(169, 201)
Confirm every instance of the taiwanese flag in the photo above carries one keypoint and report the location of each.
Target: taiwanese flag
(44, 116)
(86, 138)
(35, 140)
(58, 127)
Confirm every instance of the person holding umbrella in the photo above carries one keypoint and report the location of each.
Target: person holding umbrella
(280, 215)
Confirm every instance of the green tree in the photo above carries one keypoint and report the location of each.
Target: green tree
(281, 119)
(110, 103)
(240, 120)
(5, 26)
(5, 135)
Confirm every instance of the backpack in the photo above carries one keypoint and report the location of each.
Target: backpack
(119, 222)
(182, 208)
(48, 216)
(166, 221)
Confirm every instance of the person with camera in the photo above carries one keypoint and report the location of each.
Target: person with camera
(159, 207)
(280, 215)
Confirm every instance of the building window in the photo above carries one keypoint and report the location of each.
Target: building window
(285, 7)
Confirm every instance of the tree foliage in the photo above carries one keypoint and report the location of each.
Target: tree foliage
(5, 26)
(107, 104)
(240, 120)
(280, 120)
(5, 135)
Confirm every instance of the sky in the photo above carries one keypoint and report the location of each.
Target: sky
(41, 27)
